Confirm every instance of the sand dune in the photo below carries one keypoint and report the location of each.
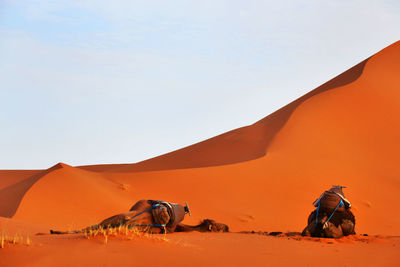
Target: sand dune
(243, 144)
(71, 197)
(11, 195)
(260, 177)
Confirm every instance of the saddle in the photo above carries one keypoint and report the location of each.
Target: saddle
(168, 214)
(160, 215)
(333, 199)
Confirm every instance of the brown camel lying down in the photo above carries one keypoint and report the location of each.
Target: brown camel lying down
(341, 224)
(155, 217)
(333, 217)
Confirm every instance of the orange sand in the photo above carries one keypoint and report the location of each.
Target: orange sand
(260, 177)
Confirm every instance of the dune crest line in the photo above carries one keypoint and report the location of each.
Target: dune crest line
(239, 145)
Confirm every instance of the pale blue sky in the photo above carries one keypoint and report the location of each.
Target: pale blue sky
(89, 82)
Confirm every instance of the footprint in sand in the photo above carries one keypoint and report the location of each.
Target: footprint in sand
(245, 218)
(368, 204)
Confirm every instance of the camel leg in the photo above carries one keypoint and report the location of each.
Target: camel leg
(332, 231)
(113, 221)
(185, 228)
(307, 231)
(52, 232)
(348, 227)
(206, 225)
(311, 228)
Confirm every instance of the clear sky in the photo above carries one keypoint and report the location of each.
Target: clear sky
(95, 81)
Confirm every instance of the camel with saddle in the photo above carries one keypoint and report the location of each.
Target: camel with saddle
(154, 216)
(332, 216)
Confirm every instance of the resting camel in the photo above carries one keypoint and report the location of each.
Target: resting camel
(154, 216)
(332, 217)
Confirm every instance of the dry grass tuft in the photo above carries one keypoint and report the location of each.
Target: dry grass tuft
(15, 239)
(124, 232)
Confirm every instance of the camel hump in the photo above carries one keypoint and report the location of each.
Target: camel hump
(338, 190)
(332, 197)
(329, 200)
(141, 204)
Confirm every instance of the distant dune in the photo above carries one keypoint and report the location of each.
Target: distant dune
(260, 177)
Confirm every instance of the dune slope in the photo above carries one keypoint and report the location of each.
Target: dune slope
(67, 196)
(242, 144)
(18, 183)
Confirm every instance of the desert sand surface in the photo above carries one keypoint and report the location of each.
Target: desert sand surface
(262, 177)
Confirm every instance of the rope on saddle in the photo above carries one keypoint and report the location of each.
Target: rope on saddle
(341, 204)
(162, 226)
(316, 217)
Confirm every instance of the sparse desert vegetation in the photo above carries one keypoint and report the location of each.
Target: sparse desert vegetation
(123, 231)
(6, 239)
